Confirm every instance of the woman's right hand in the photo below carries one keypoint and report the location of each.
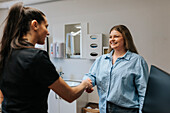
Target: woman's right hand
(88, 83)
(89, 87)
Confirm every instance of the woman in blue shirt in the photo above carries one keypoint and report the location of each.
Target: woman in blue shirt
(121, 75)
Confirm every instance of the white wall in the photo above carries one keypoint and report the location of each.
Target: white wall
(3, 14)
(148, 21)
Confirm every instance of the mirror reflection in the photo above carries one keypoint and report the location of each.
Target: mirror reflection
(73, 37)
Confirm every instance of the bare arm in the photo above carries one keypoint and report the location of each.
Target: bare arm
(68, 93)
(1, 97)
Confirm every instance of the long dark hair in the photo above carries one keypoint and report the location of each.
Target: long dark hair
(129, 44)
(17, 24)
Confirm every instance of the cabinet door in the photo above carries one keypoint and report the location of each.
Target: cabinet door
(66, 107)
(53, 103)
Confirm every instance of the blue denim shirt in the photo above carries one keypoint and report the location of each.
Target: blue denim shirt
(123, 83)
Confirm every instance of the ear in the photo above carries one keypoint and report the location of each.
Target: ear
(34, 24)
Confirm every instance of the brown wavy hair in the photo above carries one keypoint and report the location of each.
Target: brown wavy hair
(129, 44)
(17, 24)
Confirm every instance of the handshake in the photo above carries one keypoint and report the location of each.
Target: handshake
(88, 84)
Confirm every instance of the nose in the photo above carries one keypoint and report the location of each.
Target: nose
(48, 33)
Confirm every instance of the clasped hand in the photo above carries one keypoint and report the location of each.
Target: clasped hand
(89, 87)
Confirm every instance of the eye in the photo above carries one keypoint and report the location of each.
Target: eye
(46, 26)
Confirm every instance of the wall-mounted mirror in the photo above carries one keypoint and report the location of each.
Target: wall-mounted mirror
(73, 37)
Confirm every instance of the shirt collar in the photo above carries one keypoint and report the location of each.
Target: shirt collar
(109, 55)
(125, 56)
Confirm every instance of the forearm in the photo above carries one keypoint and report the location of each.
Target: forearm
(77, 91)
(69, 93)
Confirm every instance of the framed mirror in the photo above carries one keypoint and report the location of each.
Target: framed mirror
(73, 39)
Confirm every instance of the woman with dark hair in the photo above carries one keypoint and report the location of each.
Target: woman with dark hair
(26, 73)
(121, 75)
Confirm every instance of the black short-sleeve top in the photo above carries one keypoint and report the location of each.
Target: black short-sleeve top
(26, 77)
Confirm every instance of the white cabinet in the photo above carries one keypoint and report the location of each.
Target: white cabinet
(58, 105)
(66, 107)
(53, 104)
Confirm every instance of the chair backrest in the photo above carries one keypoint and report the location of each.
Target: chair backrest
(157, 97)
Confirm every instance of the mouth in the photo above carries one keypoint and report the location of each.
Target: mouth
(113, 43)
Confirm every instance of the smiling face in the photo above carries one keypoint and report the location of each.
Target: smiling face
(42, 31)
(116, 40)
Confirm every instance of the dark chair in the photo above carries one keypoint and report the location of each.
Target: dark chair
(157, 97)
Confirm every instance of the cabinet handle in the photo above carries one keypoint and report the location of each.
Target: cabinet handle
(57, 97)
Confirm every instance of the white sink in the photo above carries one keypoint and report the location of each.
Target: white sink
(72, 83)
